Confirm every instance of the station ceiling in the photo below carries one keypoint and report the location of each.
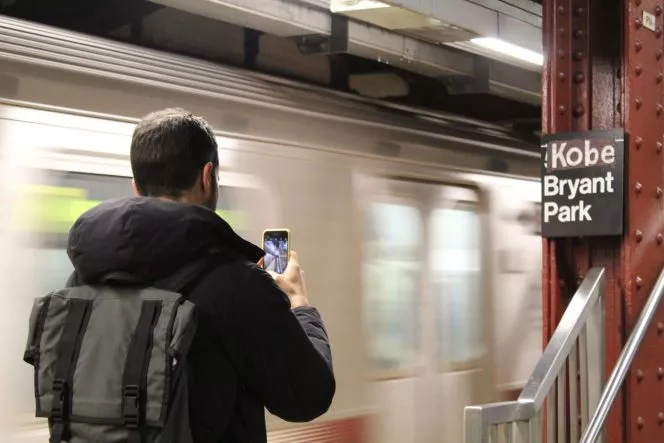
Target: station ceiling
(373, 60)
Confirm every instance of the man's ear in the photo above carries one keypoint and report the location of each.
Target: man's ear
(135, 188)
(208, 182)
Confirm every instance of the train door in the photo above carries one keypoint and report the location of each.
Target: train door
(423, 286)
(459, 368)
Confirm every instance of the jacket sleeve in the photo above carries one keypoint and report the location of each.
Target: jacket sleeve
(288, 361)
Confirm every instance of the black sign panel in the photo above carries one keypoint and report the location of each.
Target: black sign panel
(582, 183)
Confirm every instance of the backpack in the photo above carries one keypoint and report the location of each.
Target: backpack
(110, 359)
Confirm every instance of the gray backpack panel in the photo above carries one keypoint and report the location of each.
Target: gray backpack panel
(110, 363)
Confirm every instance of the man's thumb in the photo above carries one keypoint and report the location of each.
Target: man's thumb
(293, 257)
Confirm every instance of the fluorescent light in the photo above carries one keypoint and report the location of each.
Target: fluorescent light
(509, 49)
(356, 5)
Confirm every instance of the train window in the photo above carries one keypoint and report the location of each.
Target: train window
(391, 273)
(456, 278)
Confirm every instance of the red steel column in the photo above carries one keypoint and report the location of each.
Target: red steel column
(604, 69)
(642, 248)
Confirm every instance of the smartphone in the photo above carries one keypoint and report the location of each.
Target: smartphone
(276, 244)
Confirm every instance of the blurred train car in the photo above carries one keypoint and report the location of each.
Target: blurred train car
(418, 231)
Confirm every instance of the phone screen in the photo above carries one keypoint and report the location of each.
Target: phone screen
(275, 244)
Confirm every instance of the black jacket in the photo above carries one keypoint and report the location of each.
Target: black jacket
(251, 350)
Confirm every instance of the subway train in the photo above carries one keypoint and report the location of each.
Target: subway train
(418, 231)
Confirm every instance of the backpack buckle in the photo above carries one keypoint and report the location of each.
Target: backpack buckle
(131, 403)
(59, 400)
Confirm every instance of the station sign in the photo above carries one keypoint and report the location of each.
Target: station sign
(583, 183)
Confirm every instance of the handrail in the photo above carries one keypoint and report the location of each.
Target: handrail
(624, 361)
(563, 339)
(550, 368)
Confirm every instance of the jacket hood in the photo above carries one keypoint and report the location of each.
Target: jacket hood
(149, 238)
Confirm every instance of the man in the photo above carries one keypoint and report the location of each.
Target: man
(258, 343)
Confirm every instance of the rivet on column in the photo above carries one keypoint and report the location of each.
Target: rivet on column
(660, 328)
(658, 10)
(578, 110)
(638, 141)
(638, 187)
(640, 422)
(660, 373)
(658, 146)
(659, 192)
(579, 10)
(579, 77)
(637, 23)
(561, 9)
(639, 282)
(658, 77)
(639, 102)
(639, 375)
(578, 33)
(659, 238)
(658, 32)
(562, 110)
(660, 108)
(660, 418)
(577, 56)
(638, 2)
(658, 54)
(638, 235)
(638, 69)
(638, 45)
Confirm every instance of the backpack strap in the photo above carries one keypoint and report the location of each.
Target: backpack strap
(72, 334)
(134, 379)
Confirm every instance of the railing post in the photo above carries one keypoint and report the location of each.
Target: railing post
(596, 356)
(474, 430)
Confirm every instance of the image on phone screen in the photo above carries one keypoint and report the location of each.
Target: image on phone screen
(275, 244)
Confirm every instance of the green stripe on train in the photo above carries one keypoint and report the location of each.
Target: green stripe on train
(54, 209)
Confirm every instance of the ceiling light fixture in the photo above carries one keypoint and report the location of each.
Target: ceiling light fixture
(509, 49)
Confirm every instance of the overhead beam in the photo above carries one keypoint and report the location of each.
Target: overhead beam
(296, 19)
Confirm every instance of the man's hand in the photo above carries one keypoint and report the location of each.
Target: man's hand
(292, 282)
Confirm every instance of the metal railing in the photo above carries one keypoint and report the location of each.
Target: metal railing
(624, 361)
(573, 358)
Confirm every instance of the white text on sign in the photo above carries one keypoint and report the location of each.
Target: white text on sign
(567, 213)
(563, 157)
(573, 186)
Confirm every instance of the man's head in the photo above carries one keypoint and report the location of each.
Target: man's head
(174, 155)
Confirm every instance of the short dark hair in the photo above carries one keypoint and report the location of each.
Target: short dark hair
(168, 150)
